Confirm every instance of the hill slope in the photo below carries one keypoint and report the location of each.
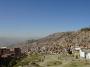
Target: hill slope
(63, 39)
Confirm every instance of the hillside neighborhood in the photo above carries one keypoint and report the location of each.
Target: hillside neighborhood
(44, 33)
(69, 45)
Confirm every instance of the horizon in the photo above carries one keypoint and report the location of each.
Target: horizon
(32, 18)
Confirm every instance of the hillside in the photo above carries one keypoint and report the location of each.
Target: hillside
(79, 38)
(55, 44)
(60, 40)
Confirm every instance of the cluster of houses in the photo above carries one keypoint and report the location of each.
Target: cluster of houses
(7, 55)
(13, 52)
(46, 49)
(82, 52)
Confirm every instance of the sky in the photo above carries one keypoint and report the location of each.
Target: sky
(39, 18)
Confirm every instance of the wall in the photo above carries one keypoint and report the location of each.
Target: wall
(82, 54)
(88, 56)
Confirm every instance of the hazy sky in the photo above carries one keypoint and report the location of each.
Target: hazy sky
(37, 18)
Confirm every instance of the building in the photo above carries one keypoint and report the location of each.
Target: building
(82, 53)
(7, 55)
(17, 52)
(85, 53)
(4, 50)
(13, 52)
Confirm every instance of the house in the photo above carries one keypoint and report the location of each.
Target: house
(4, 50)
(17, 52)
(7, 55)
(85, 53)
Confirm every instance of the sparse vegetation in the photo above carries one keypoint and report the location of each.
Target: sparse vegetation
(54, 63)
(29, 60)
(77, 64)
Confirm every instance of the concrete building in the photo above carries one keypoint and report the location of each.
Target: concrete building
(85, 53)
(4, 51)
(17, 52)
(7, 55)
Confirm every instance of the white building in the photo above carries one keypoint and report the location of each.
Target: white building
(85, 53)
